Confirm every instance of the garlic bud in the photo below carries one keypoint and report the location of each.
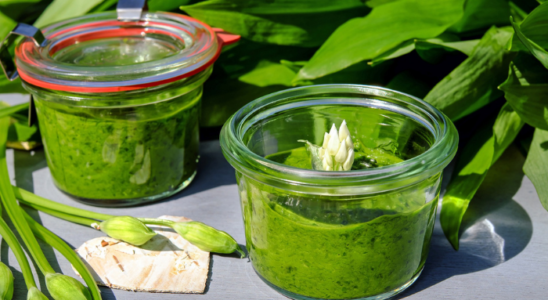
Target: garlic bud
(207, 238)
(35, 294)
(127, 229)
(62, 287)
(6, 282)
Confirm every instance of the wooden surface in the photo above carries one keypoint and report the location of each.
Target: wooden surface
(503, 254)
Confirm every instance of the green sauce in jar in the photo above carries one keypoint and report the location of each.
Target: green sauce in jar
(122, 153)
(363, 246)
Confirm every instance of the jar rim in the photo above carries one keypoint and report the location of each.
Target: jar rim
(373, 180)
(195, 47)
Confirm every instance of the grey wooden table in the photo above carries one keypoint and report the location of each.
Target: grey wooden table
(503, 252)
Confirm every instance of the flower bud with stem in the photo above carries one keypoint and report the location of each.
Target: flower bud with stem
(211, 239)
(6, 282)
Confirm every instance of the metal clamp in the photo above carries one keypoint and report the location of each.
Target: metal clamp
(131, 10)
(6, 61)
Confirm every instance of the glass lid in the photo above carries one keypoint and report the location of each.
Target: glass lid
(99, 53)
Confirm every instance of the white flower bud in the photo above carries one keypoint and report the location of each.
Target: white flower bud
(334, 143)
(328, 168)
(349, 160)
(349, 144)
(325, 140)
(327, 161)
(340, 168)
(343, 132)
(340, 157)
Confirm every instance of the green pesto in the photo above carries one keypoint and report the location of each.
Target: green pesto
(359, 247)
(121, 153)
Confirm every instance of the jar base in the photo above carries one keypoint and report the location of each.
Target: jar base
(382, 296)
(133, 201)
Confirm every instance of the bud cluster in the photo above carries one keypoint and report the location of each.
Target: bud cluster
(337, 151)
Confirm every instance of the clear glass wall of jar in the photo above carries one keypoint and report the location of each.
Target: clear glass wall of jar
(359, 234)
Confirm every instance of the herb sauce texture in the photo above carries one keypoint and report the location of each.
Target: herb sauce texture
(333, 248)
(121, 153)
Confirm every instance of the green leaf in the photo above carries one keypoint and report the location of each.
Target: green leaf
(163, 5)
(283, 22)
(375, 3)
(17, 8)
(526, 89)
(536, 165)
(477, 157)
(60, 10)
(481, 14)
(474, 82)
(535, 25)
(245, 73)
(537, 50)
(466, 47)
(386, 27)
(430, 50)
(6, 25)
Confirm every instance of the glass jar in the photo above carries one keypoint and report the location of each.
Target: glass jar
(118, 101)
(359, 234)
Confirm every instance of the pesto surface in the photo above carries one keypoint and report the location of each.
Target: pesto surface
(336, 248)
(121, 153)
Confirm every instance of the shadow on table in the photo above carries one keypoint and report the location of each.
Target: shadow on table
(495, 229)
(213, 171)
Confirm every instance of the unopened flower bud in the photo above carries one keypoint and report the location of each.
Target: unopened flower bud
(334, 143)
(325, 140)
(340, 157)
(207, 238)
(63, 287)
(349, 160)
(343, 132)
(349, 144)
(35, 294)
(6, 282)
(127, 229)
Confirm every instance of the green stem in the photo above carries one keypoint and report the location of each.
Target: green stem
(64, 216)
(53, 240)
(12, 241)
(30, 198)
(10, 203)
(161, 222)
(7, 111)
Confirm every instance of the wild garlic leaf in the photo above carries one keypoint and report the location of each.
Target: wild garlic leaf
(536, 165)
(538, 51)
(475, 160)
(282, 22)
(474, 82)
(386, 27)
(60, 10)
(526, 89)
(430, 49)
(482, 14)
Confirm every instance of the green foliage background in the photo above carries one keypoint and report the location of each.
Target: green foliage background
(462, 56)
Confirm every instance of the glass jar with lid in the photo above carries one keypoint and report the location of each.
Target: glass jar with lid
(118, 97)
